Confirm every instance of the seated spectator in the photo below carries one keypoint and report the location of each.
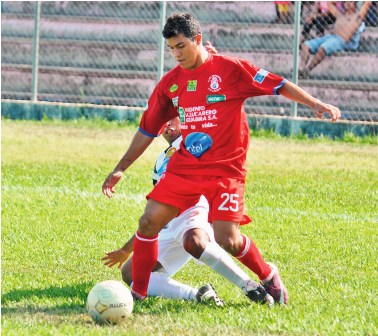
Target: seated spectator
(320, 17)
(345, 36)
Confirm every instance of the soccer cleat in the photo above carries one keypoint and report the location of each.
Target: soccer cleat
(275, 286)
(207, 293)
(257, 293)
(136, 296)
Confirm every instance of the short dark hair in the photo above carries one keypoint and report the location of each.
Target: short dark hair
(181, 23)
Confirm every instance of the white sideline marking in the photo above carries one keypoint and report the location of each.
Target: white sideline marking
(72, 191)
(138, 198)
(322, 215)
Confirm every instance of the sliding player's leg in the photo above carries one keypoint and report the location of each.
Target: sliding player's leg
(192, 230)
(172, 257)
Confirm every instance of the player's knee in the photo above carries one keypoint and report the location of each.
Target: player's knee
(147, 226)
(321, 51)
(230, 244)
(156, 215)
(195, 241)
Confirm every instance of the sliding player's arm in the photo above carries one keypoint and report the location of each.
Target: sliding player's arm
(119, 256)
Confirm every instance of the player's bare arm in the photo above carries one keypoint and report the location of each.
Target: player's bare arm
(363, 11)
(137, 147)
(119, 256)
(295, 93)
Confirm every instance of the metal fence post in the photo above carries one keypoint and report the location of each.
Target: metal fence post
(163, 9)
(36, 52)
(297, 23)
(110, 47)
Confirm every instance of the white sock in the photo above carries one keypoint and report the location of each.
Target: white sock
(162, 285)
(218, 260)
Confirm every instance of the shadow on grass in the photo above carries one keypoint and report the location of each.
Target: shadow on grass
(32, 302)
(74, 291)
(73, 294)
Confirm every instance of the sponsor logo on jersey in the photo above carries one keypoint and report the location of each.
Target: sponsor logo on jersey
(181, 112)
(260, 76)
(209, 125)
(175, 101)
(194, 114)
(210, 99)
(173, 88)
(198, 143)
(192, 214)
(192, 85)
(214, 81)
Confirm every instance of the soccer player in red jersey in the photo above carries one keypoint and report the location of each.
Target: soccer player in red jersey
(188, 235)
(207, 92)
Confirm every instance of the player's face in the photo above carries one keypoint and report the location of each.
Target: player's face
(186, 51)
(172, 130)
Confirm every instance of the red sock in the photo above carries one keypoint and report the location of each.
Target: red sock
(144, 259)
(250, 256)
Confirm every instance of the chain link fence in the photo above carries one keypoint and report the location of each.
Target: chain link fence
(107, 52)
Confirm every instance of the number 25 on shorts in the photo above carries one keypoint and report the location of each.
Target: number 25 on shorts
(230, 202)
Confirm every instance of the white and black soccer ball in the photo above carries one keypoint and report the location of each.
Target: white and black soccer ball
(109, 302)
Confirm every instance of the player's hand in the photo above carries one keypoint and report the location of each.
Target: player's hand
(110, 182)
(210, 48)
(321, 108)
(115, 257)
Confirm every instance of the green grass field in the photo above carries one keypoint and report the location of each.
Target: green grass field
(314, 209)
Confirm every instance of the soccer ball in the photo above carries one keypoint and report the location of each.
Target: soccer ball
(109, 302)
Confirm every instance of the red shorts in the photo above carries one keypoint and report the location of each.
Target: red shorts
(224, 194)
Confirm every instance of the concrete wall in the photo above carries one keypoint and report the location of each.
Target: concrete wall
(107, 54)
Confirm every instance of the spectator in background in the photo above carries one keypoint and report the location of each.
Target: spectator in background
(283, 12)
(319, 17)
(345, 36)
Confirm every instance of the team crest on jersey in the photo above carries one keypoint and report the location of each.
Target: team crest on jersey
(260, 76)
(192, 85)
(173, 88)
(175, 101)
(214, 81)
(170, 152)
